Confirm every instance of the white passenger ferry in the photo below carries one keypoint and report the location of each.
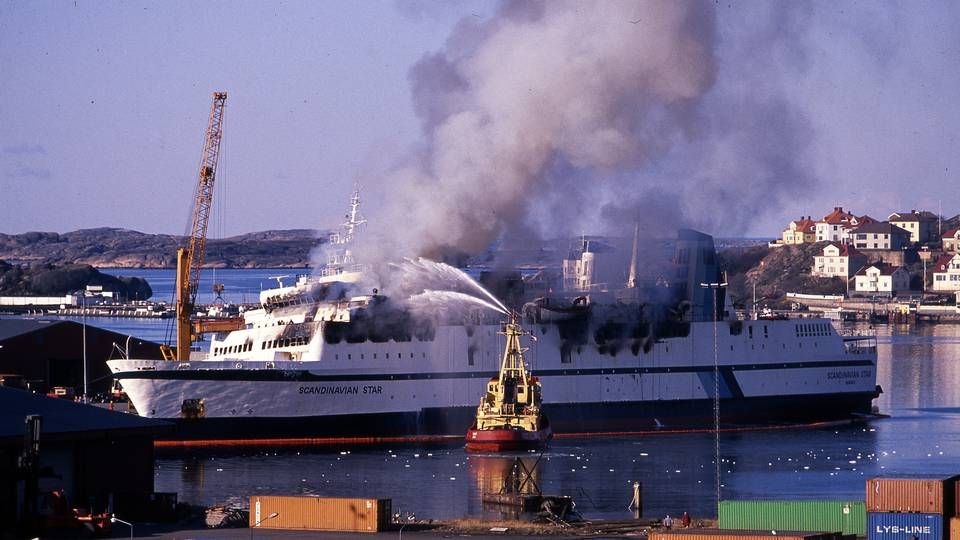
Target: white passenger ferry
(322, 359)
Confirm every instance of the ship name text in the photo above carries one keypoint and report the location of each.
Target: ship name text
(341, 389)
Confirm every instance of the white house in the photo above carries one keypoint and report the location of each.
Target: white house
(950, 241)
(838, 260)
(880, 236)
(833, 225)
(921, 225)
(882, 279)
(946, 273)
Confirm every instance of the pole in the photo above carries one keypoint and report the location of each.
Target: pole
(83, 312)
(716, 385)
(115, 519)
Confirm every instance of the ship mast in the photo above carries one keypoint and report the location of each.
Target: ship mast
(512, 366)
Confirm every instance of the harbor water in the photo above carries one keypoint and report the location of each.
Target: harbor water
(919, 370)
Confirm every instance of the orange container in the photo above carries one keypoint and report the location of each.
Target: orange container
(930, 495)
(954, 526)
(319, 513)
(725, 534)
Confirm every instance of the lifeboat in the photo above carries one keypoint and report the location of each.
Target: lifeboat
(509, 417)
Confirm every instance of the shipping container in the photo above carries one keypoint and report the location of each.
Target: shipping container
(904, 526)
(718, 534)
(930, 495)
(848, 517)
(954, 533)
(319, 513)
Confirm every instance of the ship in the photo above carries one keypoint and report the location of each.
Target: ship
(510, 415)
(325, 358)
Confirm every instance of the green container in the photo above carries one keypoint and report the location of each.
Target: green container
(847, 517)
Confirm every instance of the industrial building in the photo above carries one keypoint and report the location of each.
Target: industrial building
(49, 353)
(96, 458)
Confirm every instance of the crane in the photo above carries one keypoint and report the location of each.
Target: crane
(190, 254)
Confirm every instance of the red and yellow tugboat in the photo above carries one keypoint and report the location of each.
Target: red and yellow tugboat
(509, 417)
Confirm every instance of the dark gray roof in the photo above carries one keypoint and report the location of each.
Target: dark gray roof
(880, 228)
(61, 416)
(14, 327)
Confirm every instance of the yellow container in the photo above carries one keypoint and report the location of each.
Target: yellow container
(319, 513)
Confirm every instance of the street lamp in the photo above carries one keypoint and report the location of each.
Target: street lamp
(83, 315)
(115, 519)
(716, 286)
(271, 516)
(259, 521)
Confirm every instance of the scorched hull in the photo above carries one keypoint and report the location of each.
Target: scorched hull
(565, 419)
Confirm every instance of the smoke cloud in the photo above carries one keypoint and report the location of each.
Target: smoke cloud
(560, 117)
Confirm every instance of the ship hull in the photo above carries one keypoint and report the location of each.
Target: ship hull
(566, 420)
(764, 372)
(506, 440)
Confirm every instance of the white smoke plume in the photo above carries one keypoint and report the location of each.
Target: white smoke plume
(519, 109)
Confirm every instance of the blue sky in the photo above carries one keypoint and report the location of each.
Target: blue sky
(103, 107)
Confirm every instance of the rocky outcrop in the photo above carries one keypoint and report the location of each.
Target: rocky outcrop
(775, 271)
(50, 280)
(123, 248)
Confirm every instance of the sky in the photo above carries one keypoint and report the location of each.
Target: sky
(736, 117)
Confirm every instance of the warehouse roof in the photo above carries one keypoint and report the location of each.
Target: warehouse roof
(62, 417)
(14, 327)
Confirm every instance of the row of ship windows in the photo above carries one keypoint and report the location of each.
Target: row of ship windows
(272, 344)
(812, 329)
(766, 333)
(386, 355)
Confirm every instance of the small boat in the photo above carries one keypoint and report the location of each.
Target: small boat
(510, 417)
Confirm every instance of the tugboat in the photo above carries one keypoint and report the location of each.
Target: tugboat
(509, 417)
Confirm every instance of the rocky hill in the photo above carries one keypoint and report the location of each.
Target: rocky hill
(775, 271)
(123, 248)
(49, 280)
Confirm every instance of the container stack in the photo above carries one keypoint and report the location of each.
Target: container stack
(912, 508)
(319, 513)
(718, 534)
(848, 517)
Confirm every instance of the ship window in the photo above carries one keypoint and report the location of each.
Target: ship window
(423, 354)
(336, 357)
(750, 331)
(374, 356)
(519, 389)
(411, 355)
(765, 334)
(361, 356)
(349, 356)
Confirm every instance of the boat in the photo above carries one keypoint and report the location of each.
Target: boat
(327, 359)
(509, 417)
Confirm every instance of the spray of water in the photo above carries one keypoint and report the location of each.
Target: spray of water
(442, 300)
(412, 277)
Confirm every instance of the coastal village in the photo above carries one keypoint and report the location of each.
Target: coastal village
(875, 257)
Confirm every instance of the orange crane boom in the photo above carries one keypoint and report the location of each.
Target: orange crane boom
(190, 256)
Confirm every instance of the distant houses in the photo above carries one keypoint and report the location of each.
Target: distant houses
(801, 231)
(883, 279)
(873, 255)
(838, 260)
(950, 241)
(921, 225)
(946, 273)
(878, 236)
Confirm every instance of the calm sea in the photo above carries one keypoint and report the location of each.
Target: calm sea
(919, 370)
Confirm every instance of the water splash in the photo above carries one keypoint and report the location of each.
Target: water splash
(441, 300)
(423, 275)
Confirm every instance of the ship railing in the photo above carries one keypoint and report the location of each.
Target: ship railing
(859, 341)
(338, 269)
